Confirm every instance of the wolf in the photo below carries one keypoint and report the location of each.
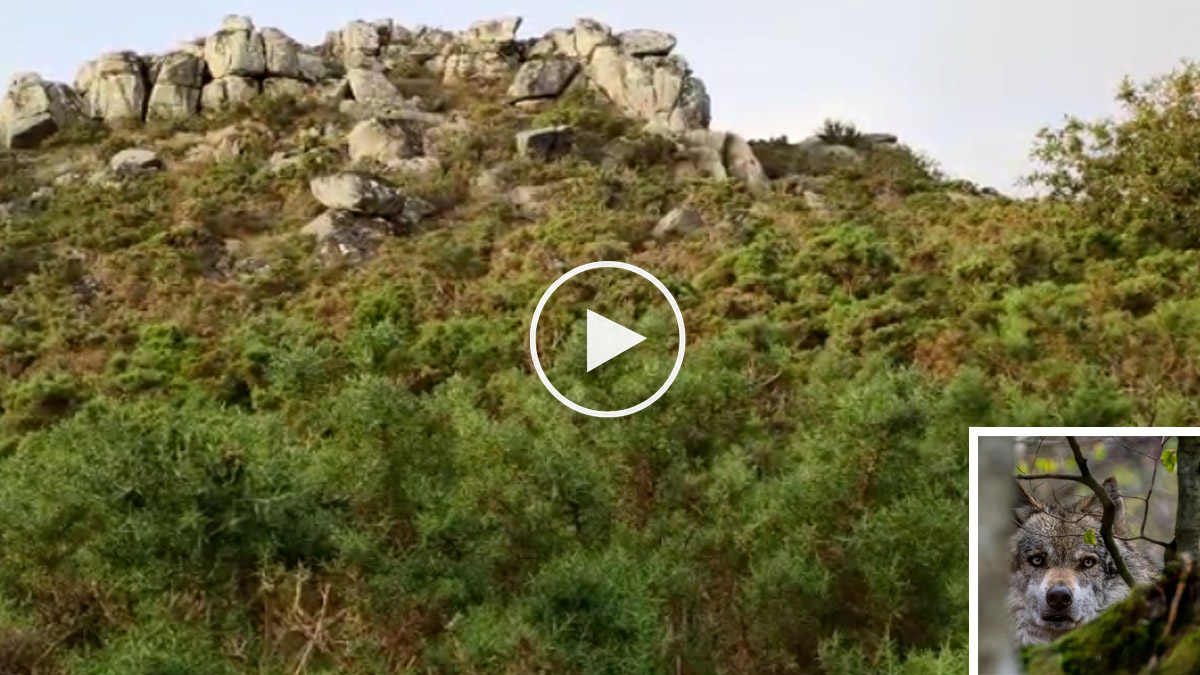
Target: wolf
(1059, 581)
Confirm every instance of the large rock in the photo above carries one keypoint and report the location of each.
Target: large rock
(227, 92)
(464, 63)
(493, 31)
(646, 42)
(818, 156)
(113, 87)
(704, 151)
(576, 43)
(543, 78)
(282, 54)
(358, 194)
(680, 221)
(547, 143)
(371, 86)
(236, 49)
(344, 236)
(742, 164)
(589, 34)
(34, 109)
(427, 42)
(386, 143)
(312, 67)
(721, 155)
(659, 90)
(176, 91)
(133, 161)
(359, 44)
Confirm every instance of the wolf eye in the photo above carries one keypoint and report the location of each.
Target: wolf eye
(1089, 562)
(1037, 560)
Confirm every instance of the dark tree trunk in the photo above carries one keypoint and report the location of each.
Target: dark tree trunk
(1187, 520)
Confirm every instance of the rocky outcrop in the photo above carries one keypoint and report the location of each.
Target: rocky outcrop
(646, 42)
(229, 91)
(177, 86)
(386, 143)
(34, 109)
(133, 161)
(636, 70)
(485, 52)
(345, 236)
(281, 54)
(358, 194)
(113, 87)
(542, 78)
(680, 221)
(236, 49)
(547, 143)
(368, 85)
(722, 155)
(358, 44)
(493, 31)
(578, 42)
(659, 90)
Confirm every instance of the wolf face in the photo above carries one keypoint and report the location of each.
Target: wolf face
(1058, 581)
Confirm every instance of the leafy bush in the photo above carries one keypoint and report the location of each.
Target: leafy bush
(837, 132)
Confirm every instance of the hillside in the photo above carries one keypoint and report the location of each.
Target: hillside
(267, 403)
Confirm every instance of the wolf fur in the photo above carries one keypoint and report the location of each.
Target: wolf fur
(1058, 581)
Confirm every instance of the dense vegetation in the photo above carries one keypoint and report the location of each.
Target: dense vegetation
(303, 468)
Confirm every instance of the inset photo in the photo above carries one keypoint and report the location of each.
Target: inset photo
(1084, 549)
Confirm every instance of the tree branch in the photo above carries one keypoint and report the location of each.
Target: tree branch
(1110, 511)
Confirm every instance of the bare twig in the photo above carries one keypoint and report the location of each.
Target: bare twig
(1110, 512)
(1128, 447)
(1051, 476)
(1180, 587)
(1145, 538)
(1153, 477)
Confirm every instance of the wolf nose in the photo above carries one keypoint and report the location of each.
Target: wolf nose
(1058, 597)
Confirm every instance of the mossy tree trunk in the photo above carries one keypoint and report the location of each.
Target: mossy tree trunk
(1138, 636)
(1187, 518)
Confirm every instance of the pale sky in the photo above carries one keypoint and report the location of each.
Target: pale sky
(968, 82)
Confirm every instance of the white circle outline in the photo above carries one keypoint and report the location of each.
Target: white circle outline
(537, 363)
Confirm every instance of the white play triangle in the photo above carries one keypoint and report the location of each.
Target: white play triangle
(606, 339)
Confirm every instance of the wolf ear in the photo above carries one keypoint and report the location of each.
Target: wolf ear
(1026, 505)
(1091, 504)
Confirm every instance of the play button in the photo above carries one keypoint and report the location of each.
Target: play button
(606, 339)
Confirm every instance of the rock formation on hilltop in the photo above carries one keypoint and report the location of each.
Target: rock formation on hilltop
(384, 90)
(635, 70)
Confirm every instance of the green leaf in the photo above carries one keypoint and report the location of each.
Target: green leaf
(1170, 460)
(1089, 537)
(1099, 452)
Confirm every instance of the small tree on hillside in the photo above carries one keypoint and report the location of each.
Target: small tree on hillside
(1137, 176)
